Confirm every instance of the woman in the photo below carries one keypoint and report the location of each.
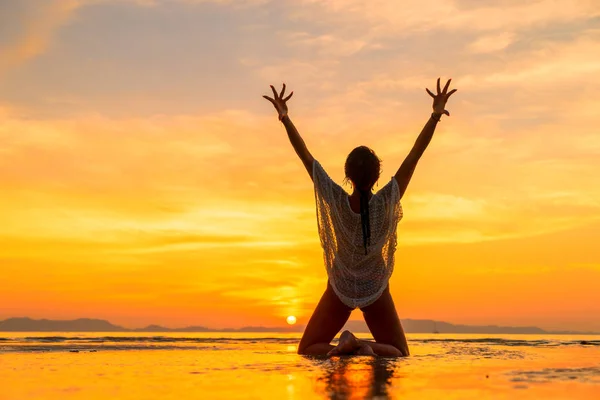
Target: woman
(358, 236)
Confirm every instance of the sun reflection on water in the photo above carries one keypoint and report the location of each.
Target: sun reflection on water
(355, 377)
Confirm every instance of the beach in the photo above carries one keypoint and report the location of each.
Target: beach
(73, 365)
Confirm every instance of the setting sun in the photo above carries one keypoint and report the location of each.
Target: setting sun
(291, 320)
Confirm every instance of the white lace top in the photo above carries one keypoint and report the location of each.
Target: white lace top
(357, 278)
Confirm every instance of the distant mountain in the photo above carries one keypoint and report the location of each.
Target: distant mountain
(295, 328)
(47, 325)
(410, 326)
(429, 326)
(98, 325)
(158, 328)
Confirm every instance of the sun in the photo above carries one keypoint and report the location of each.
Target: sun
(291, 320)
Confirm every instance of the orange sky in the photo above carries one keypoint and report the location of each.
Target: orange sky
(143, 179)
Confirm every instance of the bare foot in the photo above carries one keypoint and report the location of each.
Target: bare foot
(348, 343)
(365, 350)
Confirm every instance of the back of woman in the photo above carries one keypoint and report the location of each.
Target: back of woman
(358, 245)
(357, 273)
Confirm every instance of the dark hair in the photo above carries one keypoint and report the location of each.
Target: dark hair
(363, 168)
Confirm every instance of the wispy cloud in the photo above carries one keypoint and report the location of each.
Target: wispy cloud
(37, 23)
(492, 43)
(413, 16)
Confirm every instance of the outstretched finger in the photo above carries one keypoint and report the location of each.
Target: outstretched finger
(282, 91)
(274, 91)
(438, 86)
(451, 93)
(446, 87)
(447, 112)
(289, 97)
(431, 94)
(270, 99)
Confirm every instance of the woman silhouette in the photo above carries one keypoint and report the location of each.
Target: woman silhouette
(358, 236)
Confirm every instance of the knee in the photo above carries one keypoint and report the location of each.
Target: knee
(395, 352)
(403, 351)
(302, 346)
(400, 350)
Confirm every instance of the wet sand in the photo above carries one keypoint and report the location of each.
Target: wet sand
(265, 366)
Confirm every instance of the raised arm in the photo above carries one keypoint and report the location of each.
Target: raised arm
(279, 102)
(407, 168)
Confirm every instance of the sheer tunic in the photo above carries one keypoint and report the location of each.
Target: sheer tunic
(358, 279)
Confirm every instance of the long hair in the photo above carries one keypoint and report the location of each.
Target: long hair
(363, 168)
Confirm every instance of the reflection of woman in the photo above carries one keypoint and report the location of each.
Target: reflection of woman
(358, 236)
(350, 378)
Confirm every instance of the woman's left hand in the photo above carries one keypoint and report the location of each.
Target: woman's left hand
(439, 100)
(279, 102)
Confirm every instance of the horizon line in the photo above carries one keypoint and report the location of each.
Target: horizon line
(297, 327)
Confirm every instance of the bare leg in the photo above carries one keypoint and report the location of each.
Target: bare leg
(350, 344)
(383, 322)
(382, 349)
(365, 350)
(327, 320)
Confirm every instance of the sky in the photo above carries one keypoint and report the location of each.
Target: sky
(144, 179)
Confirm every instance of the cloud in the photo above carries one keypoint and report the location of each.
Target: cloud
(555, 63)
(143, 184)
(325, 44)
(37, 26)
(492, 43)
(35, 23)
(153, 3)
(385, 17)
(426, 206)
(133, 187)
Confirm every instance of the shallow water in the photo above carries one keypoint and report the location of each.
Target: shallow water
(265, 366)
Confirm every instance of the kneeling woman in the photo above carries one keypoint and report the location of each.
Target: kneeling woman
(358, 236)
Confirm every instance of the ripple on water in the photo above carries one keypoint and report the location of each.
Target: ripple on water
(587, 375)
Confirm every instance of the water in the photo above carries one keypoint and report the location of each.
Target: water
(266, 366)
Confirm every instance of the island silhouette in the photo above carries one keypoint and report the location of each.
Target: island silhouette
(410, 326)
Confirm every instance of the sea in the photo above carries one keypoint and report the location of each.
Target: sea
(74, 365)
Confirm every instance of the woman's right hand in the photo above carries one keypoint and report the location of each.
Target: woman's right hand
(439, 100)
(279, 102)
